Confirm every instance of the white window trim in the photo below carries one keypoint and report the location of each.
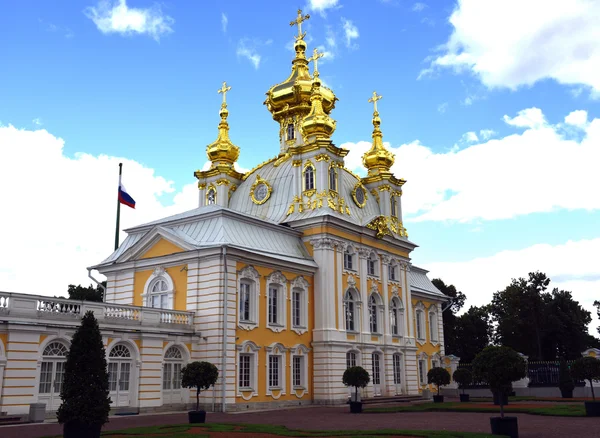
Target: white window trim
(396, 267)
(378, 312)
(420, 313)
(400, 371)
(422, 358)
(433, 328)
(159, 273)
(276, 349)
(399, 315)
(436, 358)
(300, 283)
(251, 276)
(277, 280)
(356, 357)
(299, 350)
(373, 258)
(251, 349)
(356, 309)
(352, 253)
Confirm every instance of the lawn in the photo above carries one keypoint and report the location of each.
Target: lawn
(557, 410)
(541, 399)
(215, 430)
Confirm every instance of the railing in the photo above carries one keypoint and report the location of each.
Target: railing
(24, 306)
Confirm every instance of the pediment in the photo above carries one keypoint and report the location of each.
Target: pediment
(158, 242)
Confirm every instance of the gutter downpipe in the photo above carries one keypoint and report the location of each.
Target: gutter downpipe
(98, 283)
(224, 358)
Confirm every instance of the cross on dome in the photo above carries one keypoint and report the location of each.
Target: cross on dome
(298, 22)
(223, 90)
(374, 100)
(315, 58)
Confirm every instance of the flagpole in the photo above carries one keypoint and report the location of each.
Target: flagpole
(118, 209)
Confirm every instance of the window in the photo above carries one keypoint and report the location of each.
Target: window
(435, 363)
(350, 359)
(397, 317)
(245, 301)
(299, 313)
(309, 177)
(159, 290)
(375, 368)
(397, 369)
(244, 373)
(423, 371)
(420, 321)
(392, 274)
(247, 298)
(433, 327)
(119, 368)
(52, 370)
(276, 301)
(159, 297)
(172, 369)
(349, 259)
(374, 305)
(211, 196)
(298, 371)
(372, 268)
(297, 308)
(274, 371)
(350, 311)
(333, 179)
(290, 131)
(273, 305)
(393, 207)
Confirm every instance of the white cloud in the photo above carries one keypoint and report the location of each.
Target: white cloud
(418, 7)
(469, 137)
(527, 118)
(37, 121)
(577, 118)
(117, 17)
(572, 266)
(247, 49)
(350, 32)
(224, 21)
(486, 134)
(70, 217)
(501, 178)
(442, 107)
(321, 6)
(557, 40)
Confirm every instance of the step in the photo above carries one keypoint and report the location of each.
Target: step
(392, 399)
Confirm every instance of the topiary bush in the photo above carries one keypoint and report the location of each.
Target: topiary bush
(199, 375)
(439, 377)
(565, 381)
(357, 377)
(499, 366)
(463, 377)
(587, 368)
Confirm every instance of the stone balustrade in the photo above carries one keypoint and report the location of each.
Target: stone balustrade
(19, 307)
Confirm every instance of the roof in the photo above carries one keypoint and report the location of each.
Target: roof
(419, 282)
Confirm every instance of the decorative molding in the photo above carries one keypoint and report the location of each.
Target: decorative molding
(322, 243)
(223, 182)
(297, 163)
(354, 197)
(201, 186)
(351, 281)
(322, 157)
(259, 181)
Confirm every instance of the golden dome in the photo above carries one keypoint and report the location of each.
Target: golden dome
(292, 96)
(378, 158)
(317, 124)
(222, 150)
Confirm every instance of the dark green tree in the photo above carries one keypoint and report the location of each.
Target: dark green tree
(357, 377)
(457, 300)
(597, 304)
(200, 376)
(463, 377)
(89, 293)
(439, 377)
(587, 368)
(84, 392)
(474, 332)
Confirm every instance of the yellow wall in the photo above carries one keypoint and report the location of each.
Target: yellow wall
(161, 248)
(263, 337)
(428, 348)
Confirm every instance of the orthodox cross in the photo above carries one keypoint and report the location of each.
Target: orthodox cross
(224, 89)
(374, 99)
(315, 58)
(298, 21)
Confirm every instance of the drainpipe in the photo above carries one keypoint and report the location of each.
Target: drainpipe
(448, 305)
(224, 358)
(99, 284)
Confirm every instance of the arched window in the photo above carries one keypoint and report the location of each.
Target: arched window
(350, 310)
(397, 317)
(248, 297)
(290, 131)
(159, 296)
(350, 359)
(433, 326)
(420, 322)
(172, 369)
(159, 290)
(349, 258)
(373, 265)
(52, 369)
(374, 307)
(393, 207)
(333, 179)
(309, 177)
(119, 371)
(211, 196)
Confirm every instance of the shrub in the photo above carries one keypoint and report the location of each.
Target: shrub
(439, 377)
(199, 375)
(499, 366)
(463, 377)
(565, 381)
(357, 377)
(587, 368)
(84, 392)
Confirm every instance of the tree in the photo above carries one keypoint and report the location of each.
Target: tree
(473, 332)
(597, 304)
(439, 377)
(85, 400)
(499, 366)
(463, 377)
(89, 293)
(357, 377)
(449, 318)
(587, 368)
(565, 381)
(199, 375)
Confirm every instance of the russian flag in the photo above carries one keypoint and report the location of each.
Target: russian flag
(124, 197)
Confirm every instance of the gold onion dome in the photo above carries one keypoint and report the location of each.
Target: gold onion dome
(317, 124)
(378, 158)
(292, 96)
(222, 151)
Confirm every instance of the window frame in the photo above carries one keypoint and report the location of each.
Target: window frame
(422, 371)
(209, 190)
(159, 275)
(397, 368)
(373, 265)
(276, 350)
(248, 276)
(247, 348)
(305, 178)
(349, 255)
(351, 302)
(290, 129)
(277, 283)
(333, 177)
(375, 306)
(433, 325)
(351, 359)
(397, 315)
(420, 323)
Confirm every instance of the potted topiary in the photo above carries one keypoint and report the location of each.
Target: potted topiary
(500, 366)
(565, 381)
(359, 378)
(439, 377)
(199, 375)
(588, 368)
(85, 401)
(463, 377)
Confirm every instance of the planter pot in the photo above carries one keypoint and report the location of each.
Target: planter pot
(566, 393)
(592, 409)
(426, 393)
(497, 399)
(464, 397)
(438, 399)
(196, 417)
(355, 407)
(507, 426)
(75, 429)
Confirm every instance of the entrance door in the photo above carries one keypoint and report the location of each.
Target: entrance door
(376, 371)
(119, 374)
(172, 383)
(397, 373)
(52, 372)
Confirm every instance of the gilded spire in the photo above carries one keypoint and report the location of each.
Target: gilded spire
(223, 151)
(317, 124)
(298, 22)
(378, 158)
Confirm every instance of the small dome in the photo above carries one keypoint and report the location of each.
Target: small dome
(317, 124)
(222, 150)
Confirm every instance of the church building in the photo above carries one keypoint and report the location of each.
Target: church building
(283, 277)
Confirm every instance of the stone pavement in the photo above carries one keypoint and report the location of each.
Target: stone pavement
(338, 418)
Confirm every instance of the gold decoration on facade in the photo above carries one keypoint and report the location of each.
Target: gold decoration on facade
(322, 157)
(282, 159)
(223, 151)
(315, 200)
(387, 226)
(375, 194)
(385, 188)
(222, 182)
(258, 193)
(378, 158)
(258, 167)
(201, 186)
(297, 163)
(356, 199)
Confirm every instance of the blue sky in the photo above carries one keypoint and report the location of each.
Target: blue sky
(493, 112)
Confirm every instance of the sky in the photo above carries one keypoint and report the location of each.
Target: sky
(491, 108)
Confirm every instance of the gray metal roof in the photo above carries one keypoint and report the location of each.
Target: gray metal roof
(419, 282)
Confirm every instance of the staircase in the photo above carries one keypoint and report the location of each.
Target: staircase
(392, 399)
